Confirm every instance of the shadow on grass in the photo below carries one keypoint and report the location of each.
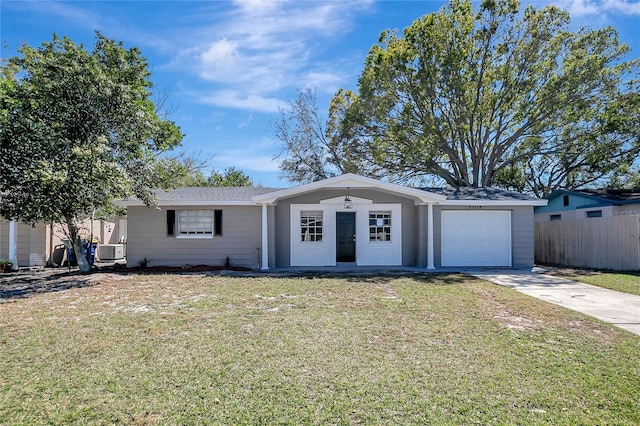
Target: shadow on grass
(28, 283)
(23, 284)
(570, 271)
(445, 278)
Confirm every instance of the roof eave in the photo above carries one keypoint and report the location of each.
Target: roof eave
(199, 203)
(488, 203)
(352, 181)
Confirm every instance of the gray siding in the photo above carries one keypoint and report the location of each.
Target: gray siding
(282, 250)
(410, 238)
(32, 243)
(437, 236)
(240, 240)
(422, 234)
(271, 231)
(523, 236)
(521, 233)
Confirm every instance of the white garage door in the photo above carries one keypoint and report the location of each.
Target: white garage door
(476, 238)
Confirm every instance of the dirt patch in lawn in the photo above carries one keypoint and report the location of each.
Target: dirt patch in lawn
(506, 316)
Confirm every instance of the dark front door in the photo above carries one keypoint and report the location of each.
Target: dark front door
(345, 237)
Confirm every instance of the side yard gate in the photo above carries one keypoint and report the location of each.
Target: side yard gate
(611, 242)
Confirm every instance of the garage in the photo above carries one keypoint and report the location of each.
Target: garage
(476, 238)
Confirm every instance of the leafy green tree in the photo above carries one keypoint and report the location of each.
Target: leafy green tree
(601, 152)
(78, 130)
(188, 170)
(230, 177)
(494, 96)
(182, 169)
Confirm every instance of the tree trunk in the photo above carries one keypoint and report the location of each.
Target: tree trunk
(74, 235)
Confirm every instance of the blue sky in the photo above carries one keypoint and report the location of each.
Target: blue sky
(229, 65)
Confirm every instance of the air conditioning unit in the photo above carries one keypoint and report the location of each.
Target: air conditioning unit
(110, 251)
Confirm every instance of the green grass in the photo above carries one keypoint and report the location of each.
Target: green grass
(432, 349)
(626, 282)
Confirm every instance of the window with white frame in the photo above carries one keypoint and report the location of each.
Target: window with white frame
(380, 226)
(311, 226)
(195, 223)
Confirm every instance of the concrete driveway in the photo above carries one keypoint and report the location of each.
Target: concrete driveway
(620, 309)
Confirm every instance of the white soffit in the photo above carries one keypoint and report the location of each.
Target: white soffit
(532, 202)
(340, 200)
(351, 181)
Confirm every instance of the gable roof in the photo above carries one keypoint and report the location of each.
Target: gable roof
(352, 181)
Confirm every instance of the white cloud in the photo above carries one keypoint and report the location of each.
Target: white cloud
(237, 99)
(223, 51)
(626, 7)
(249, 54)
(326, 81)
(77, 15)
(579, 8)
(245, 122)
(257, 156)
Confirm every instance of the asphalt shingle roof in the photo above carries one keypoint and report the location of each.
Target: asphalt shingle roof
(244, 193)
(241, 193)
(612, 194)
(479, 194)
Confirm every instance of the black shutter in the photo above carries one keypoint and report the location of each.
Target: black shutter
(217, 222)
(171, 221)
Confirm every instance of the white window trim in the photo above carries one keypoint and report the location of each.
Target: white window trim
(194, 237)
(322, 227)
(308, 253)
(380, 242)
(180, 235)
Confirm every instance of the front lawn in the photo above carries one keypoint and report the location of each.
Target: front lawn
(423, 349)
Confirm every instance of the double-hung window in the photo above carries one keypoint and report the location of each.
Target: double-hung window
(311, 226)
(196, 223)
(380, 226)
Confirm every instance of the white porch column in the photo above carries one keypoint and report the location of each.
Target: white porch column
(13, 245)
(265, 240)
(430, 256)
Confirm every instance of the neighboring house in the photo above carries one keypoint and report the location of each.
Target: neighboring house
(43, 244)
(347, 219)
(596, 228)
(579, 204)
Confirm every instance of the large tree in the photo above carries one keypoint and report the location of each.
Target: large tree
(495, 96)
(78, 130)
(314, 147)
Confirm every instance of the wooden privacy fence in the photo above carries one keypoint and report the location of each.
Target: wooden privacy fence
(611, 242)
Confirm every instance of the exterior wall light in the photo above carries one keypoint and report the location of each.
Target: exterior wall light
(348, 204)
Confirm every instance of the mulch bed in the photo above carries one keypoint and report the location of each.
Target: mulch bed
(196, 268)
